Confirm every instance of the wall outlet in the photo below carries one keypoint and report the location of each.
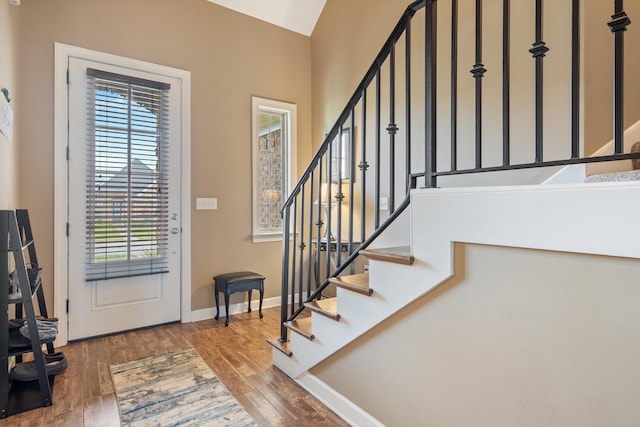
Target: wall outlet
(203, 204)
(384, 203)
(365, 268)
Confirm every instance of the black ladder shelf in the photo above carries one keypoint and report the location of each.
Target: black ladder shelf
(17, 237)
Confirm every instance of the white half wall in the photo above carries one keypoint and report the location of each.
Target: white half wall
(538, 326)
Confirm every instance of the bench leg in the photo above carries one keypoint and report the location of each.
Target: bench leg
(249, 302)
(227, 296)
(215, 292)
(261, 295)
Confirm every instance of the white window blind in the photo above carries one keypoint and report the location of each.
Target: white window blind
(127, 176)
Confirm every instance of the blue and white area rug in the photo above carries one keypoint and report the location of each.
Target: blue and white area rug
(174, 389)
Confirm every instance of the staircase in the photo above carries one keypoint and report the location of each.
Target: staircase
(397, 279)
(361, 302)
(340, 198)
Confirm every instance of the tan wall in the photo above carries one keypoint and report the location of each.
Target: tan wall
(230, 56)
(9, 18)
(516, 338)
(344, 43)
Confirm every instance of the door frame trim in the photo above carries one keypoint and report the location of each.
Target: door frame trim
(61, 196)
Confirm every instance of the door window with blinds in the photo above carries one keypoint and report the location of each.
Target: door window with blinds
(127, 176)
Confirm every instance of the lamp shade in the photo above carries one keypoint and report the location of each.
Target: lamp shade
(325, 194)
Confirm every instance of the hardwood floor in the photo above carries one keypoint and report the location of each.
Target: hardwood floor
(239, 355)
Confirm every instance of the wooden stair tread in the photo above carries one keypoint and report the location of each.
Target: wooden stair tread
(301, 326)
(398, 255)
(282, 346)
(355, 282)
(327, 307)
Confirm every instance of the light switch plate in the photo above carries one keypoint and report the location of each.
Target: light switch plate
(203, 204)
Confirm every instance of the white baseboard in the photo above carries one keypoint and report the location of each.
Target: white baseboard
(210, 313)
(340, 405)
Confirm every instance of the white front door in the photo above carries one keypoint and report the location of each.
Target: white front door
(123, 199)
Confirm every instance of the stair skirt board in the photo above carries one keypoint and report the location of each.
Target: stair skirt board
(343, 407)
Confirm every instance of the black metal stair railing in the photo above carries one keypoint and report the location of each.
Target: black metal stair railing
(336, 204)
(538, 51)
(370, 155)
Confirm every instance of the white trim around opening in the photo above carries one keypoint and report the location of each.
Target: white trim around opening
(62, 54)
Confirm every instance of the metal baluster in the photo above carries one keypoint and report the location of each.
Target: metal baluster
(506, 83)
(575, 79)
(310, 243)
(618, 25)
(454, 85)
(319, 223)
(478, 71)
(339, 196)
(302, 246)
(392, 129)
(328, 208)
(352, 174)
(376, 202)
(407, 95)
(430, 95)
(294, 286)
(538, 51)
(363, 166)
(284, 308)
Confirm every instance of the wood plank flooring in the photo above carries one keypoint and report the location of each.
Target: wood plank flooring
(239, 355)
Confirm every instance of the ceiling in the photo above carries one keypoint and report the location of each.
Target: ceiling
(296, 15)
